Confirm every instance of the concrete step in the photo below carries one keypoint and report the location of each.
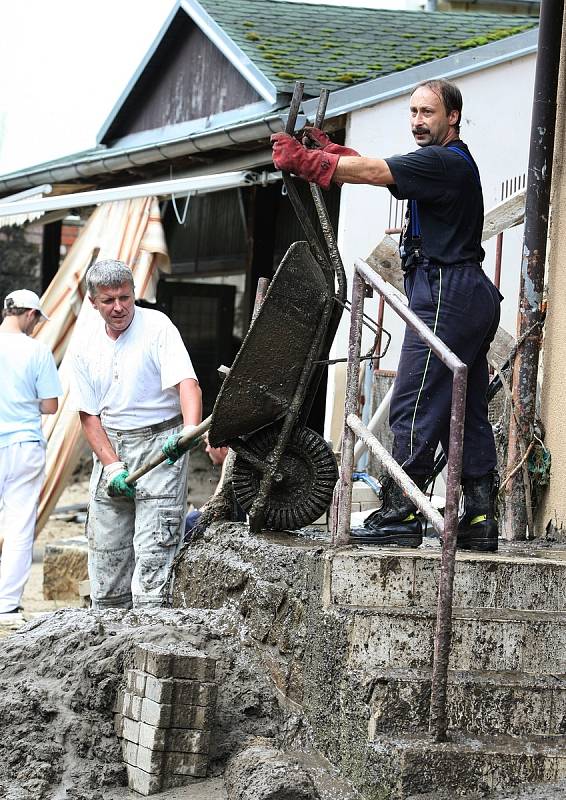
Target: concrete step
(403, 768)
(482, 639)
(516, 578)
(513, 703)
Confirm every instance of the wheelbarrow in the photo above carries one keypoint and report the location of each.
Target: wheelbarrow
(284, 473)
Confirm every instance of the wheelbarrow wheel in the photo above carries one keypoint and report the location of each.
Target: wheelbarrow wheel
(303, 485)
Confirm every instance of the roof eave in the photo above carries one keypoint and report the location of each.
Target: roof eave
(369, 93)
(102, 160)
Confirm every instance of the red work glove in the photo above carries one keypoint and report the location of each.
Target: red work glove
(314, 136)
(315, 166)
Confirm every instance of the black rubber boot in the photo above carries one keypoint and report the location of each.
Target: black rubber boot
(395, 522)
(478, 529)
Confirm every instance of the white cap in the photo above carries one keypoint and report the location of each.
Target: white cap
(24, 298)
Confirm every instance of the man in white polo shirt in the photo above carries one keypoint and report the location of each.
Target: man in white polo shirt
(30, 388)
(135, 389)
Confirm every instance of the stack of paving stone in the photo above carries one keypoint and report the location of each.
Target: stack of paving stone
(164, 716)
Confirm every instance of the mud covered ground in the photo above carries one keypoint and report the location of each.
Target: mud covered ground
(58, 681)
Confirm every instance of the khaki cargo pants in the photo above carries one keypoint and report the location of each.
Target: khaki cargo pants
(132, 543)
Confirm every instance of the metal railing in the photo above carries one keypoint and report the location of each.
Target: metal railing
(364, 278)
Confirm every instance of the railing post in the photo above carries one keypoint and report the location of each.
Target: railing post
(438, 722)
(341, 520)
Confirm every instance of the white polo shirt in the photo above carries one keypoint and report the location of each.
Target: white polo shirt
(129, 382)
(28, 375)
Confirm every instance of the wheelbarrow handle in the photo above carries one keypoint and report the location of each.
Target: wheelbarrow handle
(294, 107)
(154, 462)
(321, 109)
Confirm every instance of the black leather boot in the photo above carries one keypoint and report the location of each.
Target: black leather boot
(394, 523)
(478, 529)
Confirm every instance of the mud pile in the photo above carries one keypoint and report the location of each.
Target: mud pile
(58, 683)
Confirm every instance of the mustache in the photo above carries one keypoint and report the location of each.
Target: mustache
(420, 130)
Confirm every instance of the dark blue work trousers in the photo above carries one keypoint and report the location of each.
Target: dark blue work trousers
(463, 306)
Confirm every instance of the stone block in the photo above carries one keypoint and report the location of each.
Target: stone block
(179, 691)
(164, 715)
(174, 739)
(174, 661)
(170, 763)
(132, 706)
(131, 730)
(64, 567)
(135, 682)
(371, 578)
(130, 752)
(482, 639)
(490, 703)
(417, 767)
(146, 784)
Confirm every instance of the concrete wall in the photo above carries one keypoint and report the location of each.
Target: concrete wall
(496, 126)
(552, 514)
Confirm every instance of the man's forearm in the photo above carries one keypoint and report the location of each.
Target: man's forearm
(190, 398)
(372, 171)
(49, 405)
(97, 438)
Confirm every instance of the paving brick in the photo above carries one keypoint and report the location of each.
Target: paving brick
(179, 690)
(164, 715)
(158, 761)
(131, 730)
(145, 783)
(130, 752)
(172, 739)
(135, 682)
(185, 764)
(132, 706)
(174, 661)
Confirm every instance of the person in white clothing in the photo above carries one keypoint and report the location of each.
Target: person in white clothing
(134, 387)
(30, 388)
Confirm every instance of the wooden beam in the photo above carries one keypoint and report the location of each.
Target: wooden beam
(507, 214)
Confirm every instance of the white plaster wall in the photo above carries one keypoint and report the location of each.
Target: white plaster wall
(496, 126)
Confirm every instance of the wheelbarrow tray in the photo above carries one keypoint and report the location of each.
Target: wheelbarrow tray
(266, 371)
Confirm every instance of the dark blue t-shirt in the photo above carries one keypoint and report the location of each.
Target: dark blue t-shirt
(449, 201)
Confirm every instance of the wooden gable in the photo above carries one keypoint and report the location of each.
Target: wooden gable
(187, 78)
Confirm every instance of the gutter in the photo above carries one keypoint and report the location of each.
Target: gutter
(104, 160)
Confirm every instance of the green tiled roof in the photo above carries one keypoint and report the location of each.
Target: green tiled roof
(334, 46)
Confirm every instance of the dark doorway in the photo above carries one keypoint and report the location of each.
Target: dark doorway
(204, 315)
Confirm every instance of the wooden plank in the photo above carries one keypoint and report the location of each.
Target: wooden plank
(507, 214)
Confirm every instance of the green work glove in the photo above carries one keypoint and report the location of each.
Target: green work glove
(174, 449)
(116, 486)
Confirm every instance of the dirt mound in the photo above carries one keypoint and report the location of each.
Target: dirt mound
(58, 682)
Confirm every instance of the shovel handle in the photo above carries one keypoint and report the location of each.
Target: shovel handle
(159, 459)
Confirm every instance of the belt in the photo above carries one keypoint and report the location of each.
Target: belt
(147, 430)
(426, 263)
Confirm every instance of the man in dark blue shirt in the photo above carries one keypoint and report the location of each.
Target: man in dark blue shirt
(441, 254)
